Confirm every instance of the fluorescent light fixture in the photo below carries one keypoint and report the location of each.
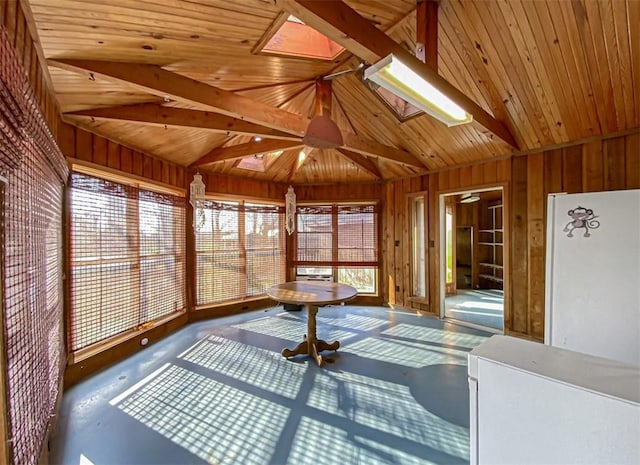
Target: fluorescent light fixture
(469, 198)
(393, 75)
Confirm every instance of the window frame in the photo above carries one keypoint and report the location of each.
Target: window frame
(135, 263)
(335, 264)
(243, 251)
(423, 251)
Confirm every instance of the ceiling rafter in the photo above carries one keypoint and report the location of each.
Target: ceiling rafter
(298, 162)
(344, 113)
(365, 146)
(427, 33)
(346, 27)
(156, 80)
(158, 115)
(281, 105)
(362, 161)
(275, 84)
(247, 149)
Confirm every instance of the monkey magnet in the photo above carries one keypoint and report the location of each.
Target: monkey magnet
(581, 218)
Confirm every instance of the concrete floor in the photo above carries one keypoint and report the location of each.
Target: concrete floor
(219, 392)
(484, 307)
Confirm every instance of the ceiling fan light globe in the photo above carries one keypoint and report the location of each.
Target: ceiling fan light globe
(323, 133)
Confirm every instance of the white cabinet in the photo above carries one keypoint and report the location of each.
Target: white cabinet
(535, 404)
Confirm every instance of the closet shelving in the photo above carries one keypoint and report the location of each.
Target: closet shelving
(490, 246)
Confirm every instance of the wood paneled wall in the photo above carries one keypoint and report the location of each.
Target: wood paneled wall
(19, 27)
(234, 186)
(339, 192)
(82, 145)
(602, 164)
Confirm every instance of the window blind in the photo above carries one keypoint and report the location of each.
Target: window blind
(357, 235)
(33, 301)
(339, 239)
(127, 258)
(31, 232)
(337, 235)
(239, 250)
(315, 235)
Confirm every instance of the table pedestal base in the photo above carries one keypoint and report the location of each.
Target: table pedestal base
(311, 345)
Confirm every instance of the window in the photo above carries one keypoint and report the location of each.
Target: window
(449, 243)
(340, 241)
(417, 209)
(127, 258)
(240, 250)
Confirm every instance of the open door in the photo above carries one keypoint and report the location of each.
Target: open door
(472, 258)
(464, 257)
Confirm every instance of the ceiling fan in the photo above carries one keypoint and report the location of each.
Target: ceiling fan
(323, 132)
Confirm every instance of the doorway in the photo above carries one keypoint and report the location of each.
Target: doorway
(464, 257)
(472, 258)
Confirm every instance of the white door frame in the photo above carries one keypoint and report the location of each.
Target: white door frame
(443, 245)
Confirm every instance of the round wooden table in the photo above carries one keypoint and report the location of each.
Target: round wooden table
(311, 294)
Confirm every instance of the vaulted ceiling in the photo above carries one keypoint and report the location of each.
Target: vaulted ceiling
(179, 79)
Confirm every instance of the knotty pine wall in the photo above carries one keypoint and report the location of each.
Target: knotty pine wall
(601, 164)
(84, 146)
(20, 28)
(78, 144)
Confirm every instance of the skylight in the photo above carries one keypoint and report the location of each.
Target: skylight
(296, 39)
(402, 109)
(259, 162)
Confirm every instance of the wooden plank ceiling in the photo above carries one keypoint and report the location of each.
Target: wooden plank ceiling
(536, 73)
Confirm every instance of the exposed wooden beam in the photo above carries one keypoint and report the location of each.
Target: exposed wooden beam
(158, 81)
(235, 152)
(362, 161)
(346, 27)
(151, 113)
(323, 99)
(158, 115)
(273, 84)
(427, 33)
(365, 146)
(299, 161)
(268, 34)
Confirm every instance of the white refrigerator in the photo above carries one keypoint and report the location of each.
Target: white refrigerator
(593, 274)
